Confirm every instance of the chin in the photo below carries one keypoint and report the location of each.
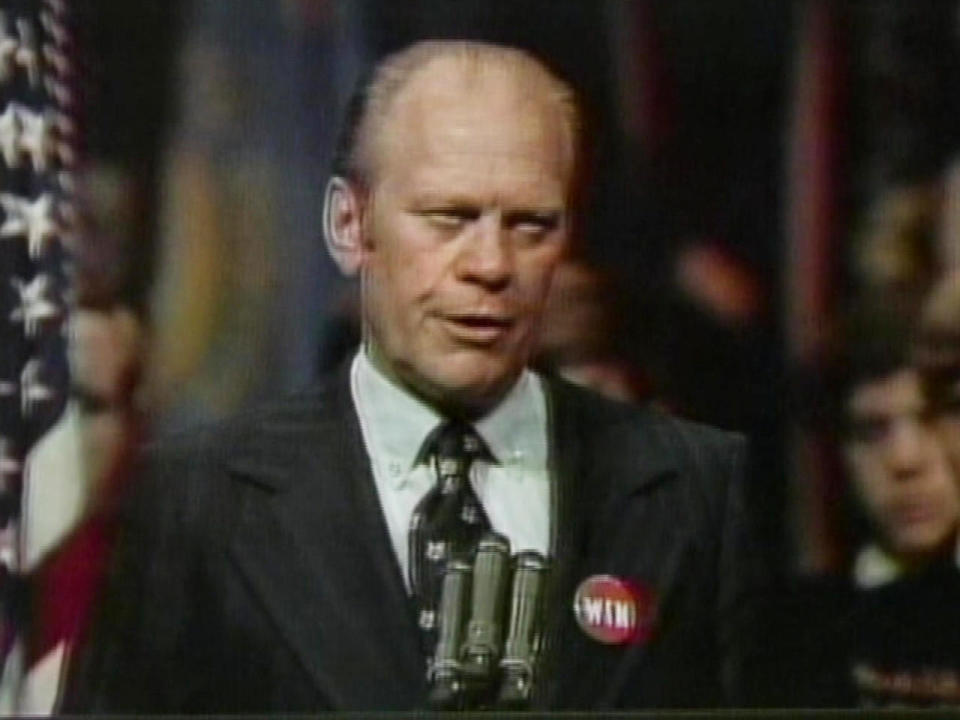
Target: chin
(924, 543)
(471, 399)
(473, 393)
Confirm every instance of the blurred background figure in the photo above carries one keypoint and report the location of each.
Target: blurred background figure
(896, 463)
(106, 362)
(898, 245)
(883, 633)
(583, 334)
(80, 472)
(69, 339)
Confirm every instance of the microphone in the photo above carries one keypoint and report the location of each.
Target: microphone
(483, 644)
(445, 674)
(520, 652)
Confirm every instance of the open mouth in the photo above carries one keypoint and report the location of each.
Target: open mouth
(479, 328)
(482, 321)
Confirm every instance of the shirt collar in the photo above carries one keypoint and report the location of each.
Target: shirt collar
(516, 430)
(398, 421)
(874, 567)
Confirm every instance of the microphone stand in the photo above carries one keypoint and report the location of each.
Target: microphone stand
(473, 667)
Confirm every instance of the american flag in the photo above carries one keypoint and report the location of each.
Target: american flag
(37, 149)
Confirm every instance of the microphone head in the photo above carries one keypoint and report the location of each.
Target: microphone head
(445, 672)
(522, 645)
(484, 642)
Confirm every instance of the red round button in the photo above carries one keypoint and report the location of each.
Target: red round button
(613, 611)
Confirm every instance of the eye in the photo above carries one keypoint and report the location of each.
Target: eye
(532, 224)
(868, 430)
(450, 218)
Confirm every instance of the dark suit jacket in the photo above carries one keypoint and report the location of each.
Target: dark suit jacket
(256, 573)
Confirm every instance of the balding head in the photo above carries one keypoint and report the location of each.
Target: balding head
(453, 206)
(444, 67)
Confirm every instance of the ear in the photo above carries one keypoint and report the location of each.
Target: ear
(343, 225)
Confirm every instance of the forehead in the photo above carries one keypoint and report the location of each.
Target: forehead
(474, 118)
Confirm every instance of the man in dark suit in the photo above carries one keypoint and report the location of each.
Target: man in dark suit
(266, 564)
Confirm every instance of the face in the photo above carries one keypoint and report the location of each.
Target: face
(899, 467)
(104, 351)
(464, 224)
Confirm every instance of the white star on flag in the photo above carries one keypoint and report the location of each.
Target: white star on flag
(35, 305)
(26, 55)
(32, 391)
(8, 544)
(59, 7)
(57, 30)
(65, 128)
(9, 463)
(60, 92)
(10, 135)
(37, 138)
(66, 181)
(56, 59)
(8, 49)
(18, 51)
(31, 218)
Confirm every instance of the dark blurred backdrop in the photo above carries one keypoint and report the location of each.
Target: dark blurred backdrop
(754, 164)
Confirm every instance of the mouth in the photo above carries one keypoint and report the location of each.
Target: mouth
(914, 512)
(479, 328)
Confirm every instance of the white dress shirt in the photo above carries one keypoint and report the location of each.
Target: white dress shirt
(515, 491)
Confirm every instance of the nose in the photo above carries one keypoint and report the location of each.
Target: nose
(487, 257)
(909, 449)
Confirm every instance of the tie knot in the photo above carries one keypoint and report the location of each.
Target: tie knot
(454, 440)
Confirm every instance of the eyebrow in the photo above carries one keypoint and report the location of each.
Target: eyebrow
(438, 200)
(551, 217)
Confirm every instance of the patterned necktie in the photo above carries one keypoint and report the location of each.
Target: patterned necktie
(449, 520)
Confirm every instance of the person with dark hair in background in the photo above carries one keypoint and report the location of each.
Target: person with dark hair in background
(885, 635)
(291, 559)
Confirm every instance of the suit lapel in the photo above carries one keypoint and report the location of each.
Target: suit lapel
(592, 471)
(566, 464)
(313, 545)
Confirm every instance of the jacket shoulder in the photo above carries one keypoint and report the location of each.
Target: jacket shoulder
(196, 465)
(635, 447)
(646, 420)
(272, 422)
